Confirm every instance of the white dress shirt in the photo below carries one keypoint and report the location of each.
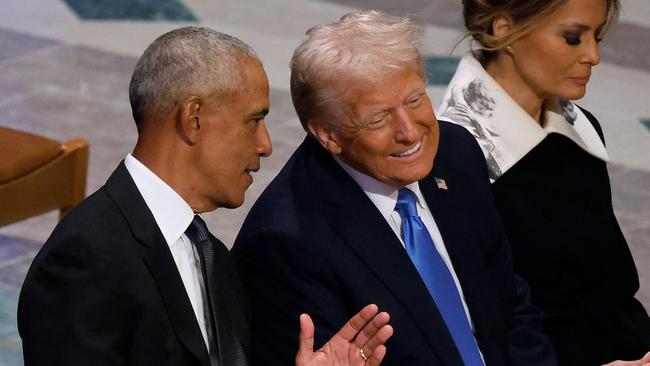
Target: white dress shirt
(384, 197)
(173, 215)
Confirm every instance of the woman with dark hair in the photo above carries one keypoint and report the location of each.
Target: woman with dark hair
(547, 161)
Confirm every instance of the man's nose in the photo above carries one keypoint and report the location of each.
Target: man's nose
(406, 131)
(264, 145)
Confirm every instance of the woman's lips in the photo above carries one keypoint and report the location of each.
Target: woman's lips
(582, 80)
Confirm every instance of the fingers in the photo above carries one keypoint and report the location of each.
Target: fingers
(377, 356)
(371, 336)
(306, 340)
(646, 359)
(371, 329)
(368, 330)
(357, 323)
(377, 341)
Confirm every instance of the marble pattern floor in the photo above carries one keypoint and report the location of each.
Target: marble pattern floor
(64, 74)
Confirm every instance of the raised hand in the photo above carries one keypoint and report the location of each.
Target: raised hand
(645, 361)
(359, 343)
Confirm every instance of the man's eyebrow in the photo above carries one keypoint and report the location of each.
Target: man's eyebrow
(416, 89)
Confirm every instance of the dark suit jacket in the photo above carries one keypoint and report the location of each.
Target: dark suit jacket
(104, 290)
(315, 243)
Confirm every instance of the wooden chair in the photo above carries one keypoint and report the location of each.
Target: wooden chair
(38, 175)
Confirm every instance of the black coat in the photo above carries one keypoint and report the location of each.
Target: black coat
(105, 290)
(556, 206)
(315, 243)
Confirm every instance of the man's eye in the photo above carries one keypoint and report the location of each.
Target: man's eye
(376, 121)
(414, 102)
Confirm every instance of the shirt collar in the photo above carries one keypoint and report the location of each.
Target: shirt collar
(503, 129)
(382, 195)
(172, 214)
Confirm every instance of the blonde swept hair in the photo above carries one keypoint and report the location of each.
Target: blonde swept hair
(363, 47)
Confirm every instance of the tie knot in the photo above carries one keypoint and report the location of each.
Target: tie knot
(406, 203)
(197, 231)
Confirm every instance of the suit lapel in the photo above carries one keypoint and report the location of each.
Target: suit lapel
(376, 244)
(463, 251)
(158, 258)
(453, 228)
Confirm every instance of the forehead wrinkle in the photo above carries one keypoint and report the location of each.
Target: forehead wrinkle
(410, 88)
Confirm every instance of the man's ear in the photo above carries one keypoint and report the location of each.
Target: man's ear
(189, 119)
(501, 25)
(325, 134)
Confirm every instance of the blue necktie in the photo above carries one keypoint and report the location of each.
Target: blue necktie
(436, 277)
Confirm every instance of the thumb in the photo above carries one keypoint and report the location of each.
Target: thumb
(306, 340)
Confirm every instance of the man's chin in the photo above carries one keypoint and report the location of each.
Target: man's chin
(403, 181)
(413, 175)
(236, 204)
(233, 202)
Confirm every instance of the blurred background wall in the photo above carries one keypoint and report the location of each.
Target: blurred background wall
(65, 66)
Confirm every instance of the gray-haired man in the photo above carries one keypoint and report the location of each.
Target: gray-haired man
(132, 276)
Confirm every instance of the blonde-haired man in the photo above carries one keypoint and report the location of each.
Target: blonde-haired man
(383, 204)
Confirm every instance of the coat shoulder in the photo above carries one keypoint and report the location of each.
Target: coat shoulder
(459, 153)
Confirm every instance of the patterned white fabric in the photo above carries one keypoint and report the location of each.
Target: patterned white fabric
(505, 132)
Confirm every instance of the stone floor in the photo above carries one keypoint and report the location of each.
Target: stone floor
(65, 68)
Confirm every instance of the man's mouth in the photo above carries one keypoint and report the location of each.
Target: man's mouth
(410, 151)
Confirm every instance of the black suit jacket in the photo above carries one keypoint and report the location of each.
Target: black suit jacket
(556, 205)
(105, 290)
(315, 243)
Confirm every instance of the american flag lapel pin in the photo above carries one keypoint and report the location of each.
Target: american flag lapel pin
(441, 184)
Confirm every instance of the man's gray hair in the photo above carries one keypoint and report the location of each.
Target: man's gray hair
(184, 62)
(365, 47)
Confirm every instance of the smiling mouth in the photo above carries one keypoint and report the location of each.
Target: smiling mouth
(410, 151)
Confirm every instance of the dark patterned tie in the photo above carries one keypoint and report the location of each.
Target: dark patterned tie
(436, 277)
(230, 352)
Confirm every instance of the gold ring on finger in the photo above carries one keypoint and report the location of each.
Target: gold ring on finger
(363, 355)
